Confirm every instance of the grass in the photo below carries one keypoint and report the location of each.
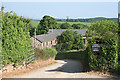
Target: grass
(85, 23)
(35, 23)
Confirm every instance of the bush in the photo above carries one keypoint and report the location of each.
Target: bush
(45, 54)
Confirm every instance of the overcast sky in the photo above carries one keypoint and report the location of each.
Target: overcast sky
(36, 9)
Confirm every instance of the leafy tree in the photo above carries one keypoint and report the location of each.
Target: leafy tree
(105, 29)
(45, 24)
(69, 40)
(32, 30)
(65, 26)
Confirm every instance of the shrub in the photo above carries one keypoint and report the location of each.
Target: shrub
(45, 54)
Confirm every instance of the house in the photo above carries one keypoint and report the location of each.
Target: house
(49, 40)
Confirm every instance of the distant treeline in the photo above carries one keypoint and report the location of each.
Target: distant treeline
(88, 19)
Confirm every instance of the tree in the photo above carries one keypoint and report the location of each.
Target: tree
(45, 24)
(65, 26)
(69, 40)
(105, 29)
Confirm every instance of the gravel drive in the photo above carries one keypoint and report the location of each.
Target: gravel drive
(61, 69)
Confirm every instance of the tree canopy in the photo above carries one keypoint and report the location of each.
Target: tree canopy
(45, 24)
(69, 40)
(105, 29)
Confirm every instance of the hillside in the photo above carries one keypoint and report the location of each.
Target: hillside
(88, 19)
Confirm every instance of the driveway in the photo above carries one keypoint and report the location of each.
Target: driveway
(61, 69)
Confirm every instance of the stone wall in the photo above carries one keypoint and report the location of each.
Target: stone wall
(38, 44)
(43, 45)
(49, 44)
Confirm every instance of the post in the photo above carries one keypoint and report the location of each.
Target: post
(35, 43)
(24, 65)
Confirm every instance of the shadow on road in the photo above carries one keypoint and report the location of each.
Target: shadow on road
(69, 66)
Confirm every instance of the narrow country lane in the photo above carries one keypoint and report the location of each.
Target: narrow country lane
(61, 69)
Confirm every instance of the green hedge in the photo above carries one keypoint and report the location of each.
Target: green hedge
(46, 53)
(81, 55)
(107, 59)
(15, 38)
(104, 33)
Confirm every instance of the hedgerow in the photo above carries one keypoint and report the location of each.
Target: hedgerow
(46, 53)
(106, 59)
(105, 34)
(15, 38)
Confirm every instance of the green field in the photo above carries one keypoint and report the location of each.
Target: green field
(35, 23)
(85, 23)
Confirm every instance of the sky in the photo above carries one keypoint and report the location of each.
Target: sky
(36, 9)
(60, 0)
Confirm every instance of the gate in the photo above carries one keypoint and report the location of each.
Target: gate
(31, 57)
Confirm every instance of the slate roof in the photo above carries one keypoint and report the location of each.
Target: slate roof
(46, 37)
(59, 31)
(53, 33)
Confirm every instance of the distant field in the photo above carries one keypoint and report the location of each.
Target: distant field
(35, 23)
(85, 23)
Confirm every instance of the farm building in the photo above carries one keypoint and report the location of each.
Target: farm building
(49, 40)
